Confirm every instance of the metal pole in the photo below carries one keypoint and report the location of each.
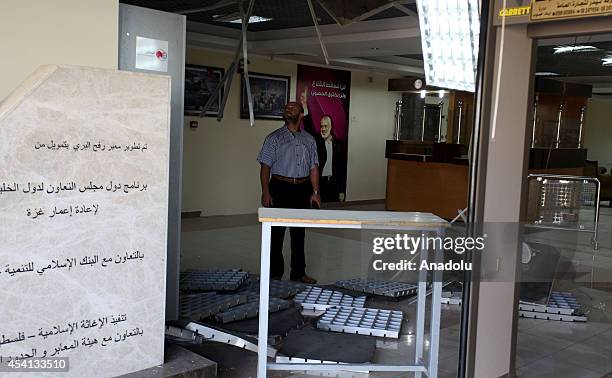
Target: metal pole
(535, 119)
(226, 81)
(423, 123)
(582, 110)
(223, 83)
(440, 106)
(398, 119)
(316, 25)
(480, 118)
(597, 197)
(329, 12)
(245, 57)
(406, 10)
(557, 142)
(264, 291)
(419, 347)
(460, 107)
(231, 73)
(436, 299)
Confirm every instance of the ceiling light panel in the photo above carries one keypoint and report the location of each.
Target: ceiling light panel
(574, 49)
(252, 20)
(450, 31)
(235, 18)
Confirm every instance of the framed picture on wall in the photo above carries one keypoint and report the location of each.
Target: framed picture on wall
(200, 83)
(270, 94)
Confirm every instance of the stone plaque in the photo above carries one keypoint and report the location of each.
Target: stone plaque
(83, 207)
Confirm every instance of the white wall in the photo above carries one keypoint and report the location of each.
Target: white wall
(598, 131)
(36, 32)
(220, 173)
(372, 113)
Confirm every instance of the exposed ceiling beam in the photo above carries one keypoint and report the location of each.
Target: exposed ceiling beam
(410, 36)
(338, 38)
(213, 40)
(373, 12)
(319, 36)
(398, 60)
(367, 45)
(223, 31)
(363, 65)
(218, 5)
(381, 65)
(329, 12)
(406, 10)
(397, 23)
(366, 15)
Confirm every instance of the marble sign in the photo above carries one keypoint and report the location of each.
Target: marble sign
(83, 220)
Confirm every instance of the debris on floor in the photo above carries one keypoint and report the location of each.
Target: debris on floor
(212, 280)
(377, 287)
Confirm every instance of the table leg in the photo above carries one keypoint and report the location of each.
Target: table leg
(436, 304)
(264, 291)
(420, 310)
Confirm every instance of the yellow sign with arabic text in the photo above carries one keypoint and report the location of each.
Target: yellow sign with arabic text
(515, 11)
(561, 9)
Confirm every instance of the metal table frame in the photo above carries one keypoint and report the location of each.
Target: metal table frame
(427, 224)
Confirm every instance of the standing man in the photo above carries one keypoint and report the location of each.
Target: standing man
(289, 177)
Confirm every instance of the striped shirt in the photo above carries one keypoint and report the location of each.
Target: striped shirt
(289, 154)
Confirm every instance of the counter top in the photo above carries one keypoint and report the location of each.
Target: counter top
(424, 151)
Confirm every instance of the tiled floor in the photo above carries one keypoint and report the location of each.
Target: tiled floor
(544, 348)
(558, 349)
(552, 349)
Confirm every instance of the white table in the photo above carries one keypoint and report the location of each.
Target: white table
(372, 220)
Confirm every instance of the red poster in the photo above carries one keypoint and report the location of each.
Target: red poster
(325, 95)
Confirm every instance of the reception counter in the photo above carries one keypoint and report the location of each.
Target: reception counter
(426, 177)
(439, 188)
(433, 177)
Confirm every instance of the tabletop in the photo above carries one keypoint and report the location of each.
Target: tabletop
(364, 219)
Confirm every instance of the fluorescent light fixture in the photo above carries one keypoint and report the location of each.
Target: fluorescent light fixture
(574, 48)
(252, 20)
(234, 18)
(546, 74)
(450, 31)
(607, 61)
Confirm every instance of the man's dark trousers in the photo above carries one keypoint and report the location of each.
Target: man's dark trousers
(295, 196)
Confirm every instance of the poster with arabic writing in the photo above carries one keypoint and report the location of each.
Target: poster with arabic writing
(325, 95)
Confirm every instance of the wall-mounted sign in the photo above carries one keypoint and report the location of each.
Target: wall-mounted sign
(514, 11)
(151, 54)
(325, 95)
(84, 206)
(560, 9)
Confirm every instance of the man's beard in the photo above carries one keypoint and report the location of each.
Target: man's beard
(292, 119)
